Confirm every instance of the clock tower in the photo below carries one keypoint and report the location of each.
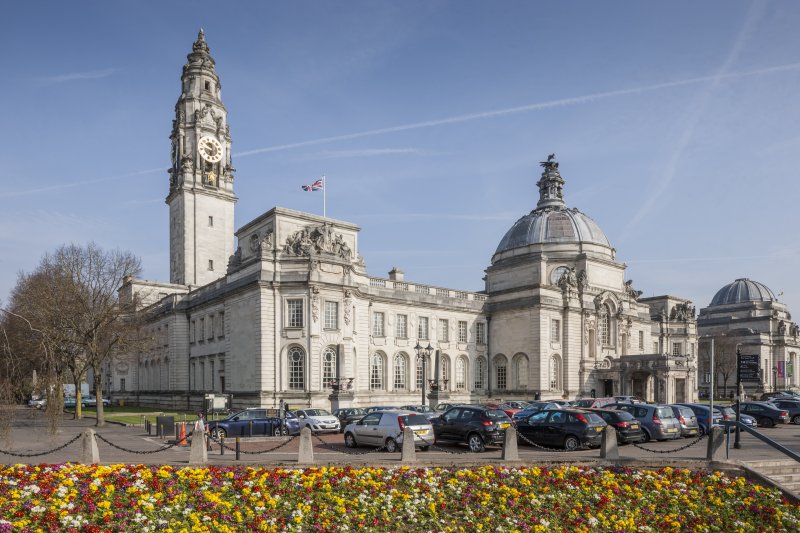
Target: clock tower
(201, 197)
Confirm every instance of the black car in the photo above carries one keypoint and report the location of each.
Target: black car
(569, 428)
(766, 414)
(474, 425)
(791, 406)
(534, 407)
(628, 428)
(348, 415)
(250, 422)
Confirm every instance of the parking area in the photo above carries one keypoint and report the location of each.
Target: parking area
(29, 437)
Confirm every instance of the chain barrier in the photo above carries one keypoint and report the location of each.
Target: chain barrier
(38, 454)
(434, 446)
(349, 451)
(690, 444)
(279, 446)
(138, 452)
(545, 448)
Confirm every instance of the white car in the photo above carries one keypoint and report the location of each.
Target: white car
(317, 420)
(385, 429)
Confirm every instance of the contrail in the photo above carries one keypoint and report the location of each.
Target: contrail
(60, 186)
(587, 98)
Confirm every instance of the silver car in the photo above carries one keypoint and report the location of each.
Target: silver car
(317, 420)
(385, 429)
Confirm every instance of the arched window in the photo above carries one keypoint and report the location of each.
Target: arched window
(501, 372)
(297, 368)
(461, 374)
(605, 326)
(376, 372)
(328, 365)
(400, 371)
(419, 370)
(445, 364)
(555, 373)
(521, 371)
(480, 369)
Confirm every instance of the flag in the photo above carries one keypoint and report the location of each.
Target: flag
(317, 185)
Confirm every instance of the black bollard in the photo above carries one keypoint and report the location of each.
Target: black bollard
(147, 426)
(250, 426)
(160, 430)
(221, 445)
(238, 449)
(208, 443)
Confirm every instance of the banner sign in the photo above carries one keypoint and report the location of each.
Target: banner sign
(749, 368)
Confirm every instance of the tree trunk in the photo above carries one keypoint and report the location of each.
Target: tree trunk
(78, 408)
(98, 394)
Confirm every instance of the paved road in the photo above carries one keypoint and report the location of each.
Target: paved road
(30, 435)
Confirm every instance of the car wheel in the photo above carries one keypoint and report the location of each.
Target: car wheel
(350, 440)
(391, 445)
(475, 443)
(646, 436)
(278, 431)
(796, 419)
(571, 443)
(218, 433)
(766, 422)
(425, 448)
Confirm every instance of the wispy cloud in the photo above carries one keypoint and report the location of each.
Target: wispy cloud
(60, 186)
(692, 117)
(368, 152)
(575, 100)
(76, 76)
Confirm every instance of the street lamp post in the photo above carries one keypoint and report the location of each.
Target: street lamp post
(422, 354)
(774, 378)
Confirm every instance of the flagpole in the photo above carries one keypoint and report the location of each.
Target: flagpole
(324, 197)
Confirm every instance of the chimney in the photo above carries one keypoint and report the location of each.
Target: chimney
(395, 274)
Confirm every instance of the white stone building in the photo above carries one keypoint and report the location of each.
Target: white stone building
(289, 312)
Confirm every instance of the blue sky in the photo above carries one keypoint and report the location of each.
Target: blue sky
(675, 125)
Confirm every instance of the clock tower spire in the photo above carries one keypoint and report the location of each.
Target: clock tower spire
(201, 197)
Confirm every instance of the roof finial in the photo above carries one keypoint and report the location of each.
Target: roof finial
(201, 36)
(550, 184)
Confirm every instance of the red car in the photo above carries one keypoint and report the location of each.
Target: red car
(507, 408)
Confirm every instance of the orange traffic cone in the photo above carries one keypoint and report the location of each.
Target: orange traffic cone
(182, 435)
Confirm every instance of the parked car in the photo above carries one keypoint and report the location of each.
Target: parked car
(628, 399)
(514, 404)
(701, 412)
(348, 415)
(766, 414)
(385, 429)
(424, 410)
(532, 408)
(594, 403)
(238, 424)
(376, 408)
(37, 403)
(505, 407)
(442, 407)
(687, 419)
(317, 420)
(729, 415)
(568, 428)
(69, 401)
(91, 401)
(628, 428)
(658, 421)
(475, 425)
(791, 406)
(780, 394)
(562, 403)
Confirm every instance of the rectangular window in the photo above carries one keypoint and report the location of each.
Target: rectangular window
(655, 347)
(402, 327)
(122, 384)
(294, 313)
(210, 222)
(676, 348)
(331, 315)
(201, 328)
(641, 340)
(211, 322)
(377, 324)
(212, 375)
(444, 327)
(202, 376)
(191, 331)
(193, 384)
(480, 333)
(210, 264)
(221, 325)
(501, 377)
(555, 330)
(422, 328)
(462, 331)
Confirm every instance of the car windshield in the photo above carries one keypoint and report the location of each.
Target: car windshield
(317, 412)
(496, 414)
(664, 412)
(624, 415)
(356, 411)
(415, 420)
(593, 418)
(584, 403)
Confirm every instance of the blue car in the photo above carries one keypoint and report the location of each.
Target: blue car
(239, 425)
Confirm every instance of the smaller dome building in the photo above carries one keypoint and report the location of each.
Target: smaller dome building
(746, 316)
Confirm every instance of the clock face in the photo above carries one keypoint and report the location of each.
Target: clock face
(210, 149)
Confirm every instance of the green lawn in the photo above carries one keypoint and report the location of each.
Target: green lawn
(133, 415)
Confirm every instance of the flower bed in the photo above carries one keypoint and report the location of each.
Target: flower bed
(140, 498)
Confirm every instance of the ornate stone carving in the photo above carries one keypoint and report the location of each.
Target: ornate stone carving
(583, 280)
(315, 303)
(254, 242)
(630, 291)
(781, 328)
(266, 245)
(317, 239)
(568, 281)
(598, 302)
(235, 259)
(187, 165)
(348, 306)
(682, 312)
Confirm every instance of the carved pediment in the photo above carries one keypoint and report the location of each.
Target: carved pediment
(317, 240)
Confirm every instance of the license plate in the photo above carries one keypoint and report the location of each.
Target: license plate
(672, 430)
(504, 425)
(634, 426)
(420, 432)
(598, 429)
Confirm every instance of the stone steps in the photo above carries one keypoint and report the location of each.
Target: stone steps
(784, 473)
